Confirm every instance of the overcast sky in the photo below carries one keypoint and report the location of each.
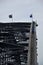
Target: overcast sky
(21, 10)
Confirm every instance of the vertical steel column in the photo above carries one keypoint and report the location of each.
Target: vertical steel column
(33, 45)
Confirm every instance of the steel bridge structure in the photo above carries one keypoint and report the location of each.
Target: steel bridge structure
(18, 43)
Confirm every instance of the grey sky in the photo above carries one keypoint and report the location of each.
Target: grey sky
(21, 9)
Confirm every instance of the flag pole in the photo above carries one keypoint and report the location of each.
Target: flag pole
(11, 17)
(31, 16)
